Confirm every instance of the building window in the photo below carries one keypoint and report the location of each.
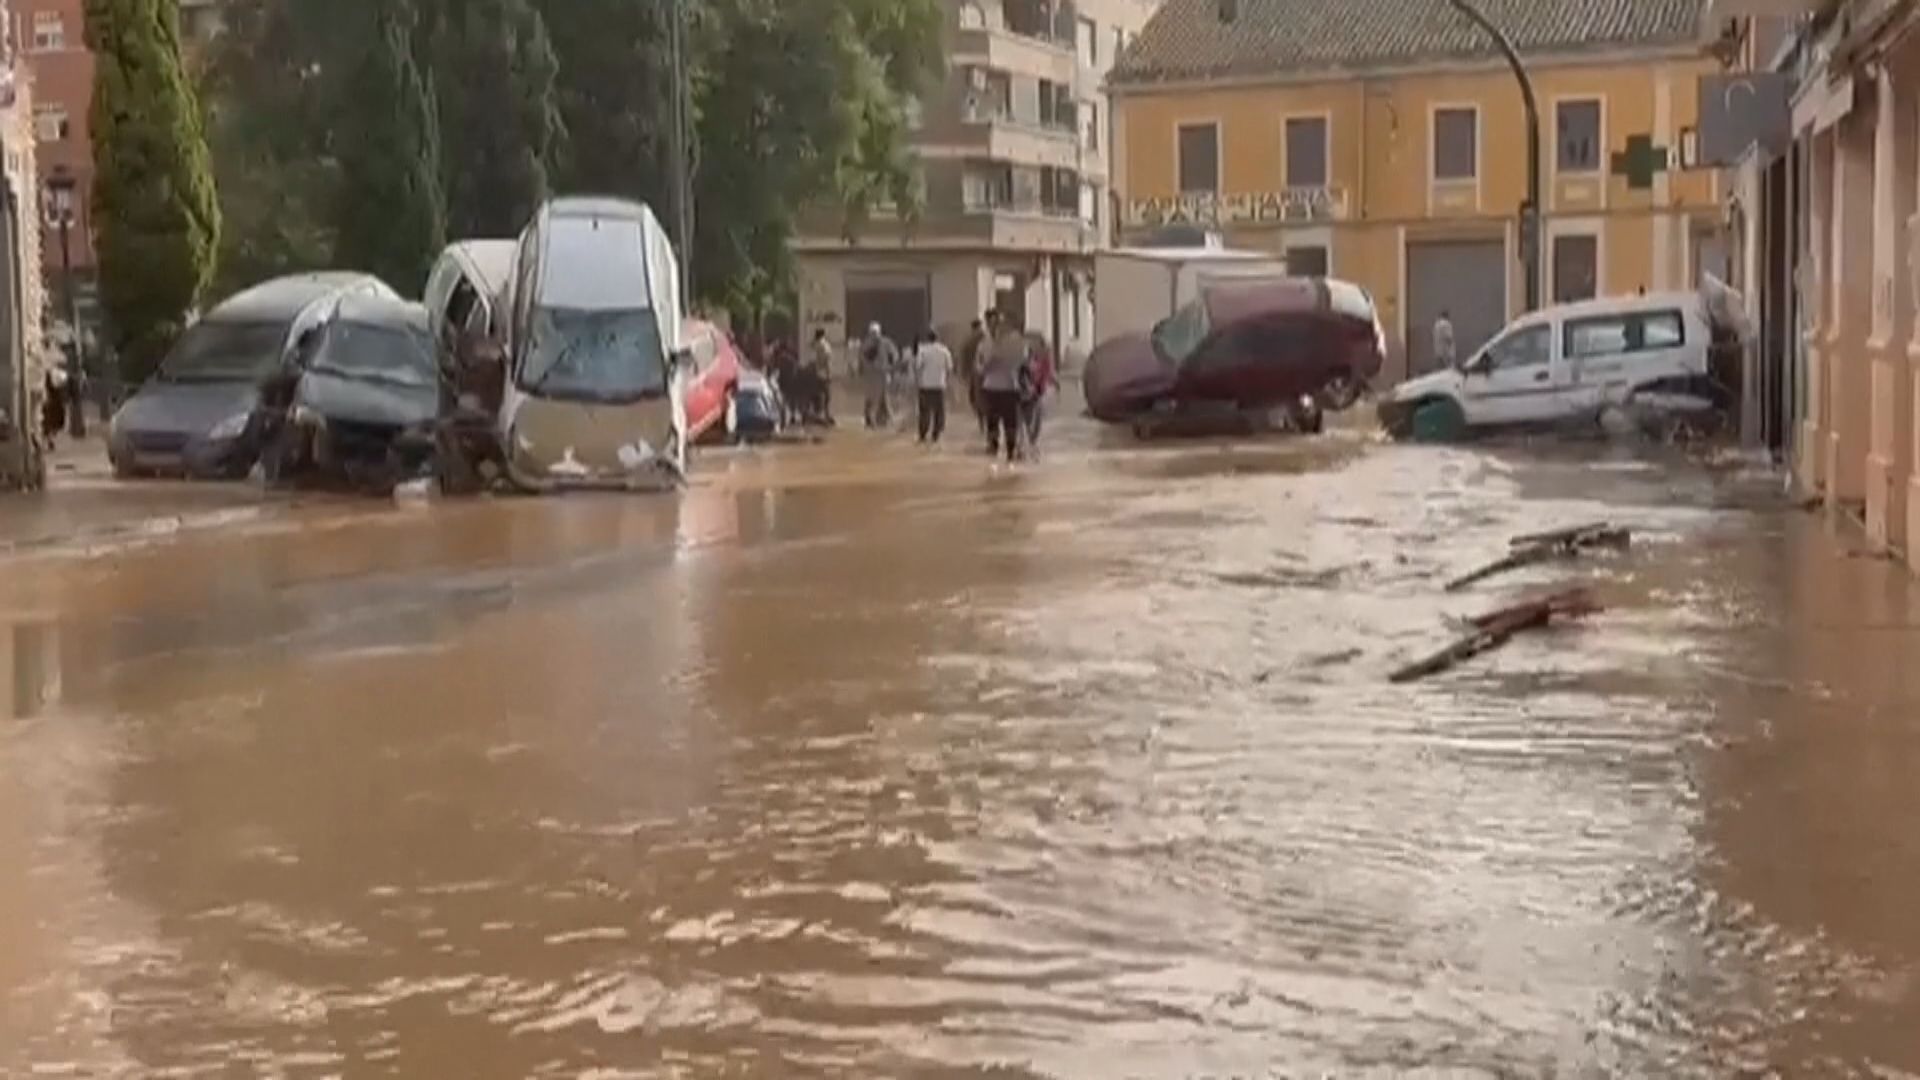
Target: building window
(1119, 43)
(1089, 42)
(1456, 144)
(1199, 159)
(1307, 260)
(1576, 268)
(1307, 152)
(49, 31)
(1093, 126)
(989, 95)
(50, 123)
(1578, 126)
(1057, 107)
(987, 186)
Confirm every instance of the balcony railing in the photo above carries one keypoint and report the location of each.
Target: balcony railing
(994, 113)
(1000, 203)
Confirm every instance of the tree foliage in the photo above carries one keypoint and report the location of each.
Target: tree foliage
(799, 106)
(495, 70)
(156, 217)
(389, 216)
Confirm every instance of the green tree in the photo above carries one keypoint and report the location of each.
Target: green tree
(269, 126)
(389, 217)
(799, 105)
(156, 218)
(494, 71)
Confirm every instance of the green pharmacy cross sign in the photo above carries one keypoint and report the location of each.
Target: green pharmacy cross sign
(1641, 162)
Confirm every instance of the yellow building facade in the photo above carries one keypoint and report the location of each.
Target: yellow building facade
(1408, 175)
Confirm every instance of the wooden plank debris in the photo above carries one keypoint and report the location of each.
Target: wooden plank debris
(1495, 628)
(1541, 547)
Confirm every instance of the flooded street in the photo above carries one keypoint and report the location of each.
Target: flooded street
(859, 761)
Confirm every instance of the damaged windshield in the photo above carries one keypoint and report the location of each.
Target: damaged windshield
(393, 354)
(594, 334)
(595, 355)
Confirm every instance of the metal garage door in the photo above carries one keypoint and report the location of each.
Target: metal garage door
(1465, 278)
(901, 305)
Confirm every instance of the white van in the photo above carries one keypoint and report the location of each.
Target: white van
(1570, 364)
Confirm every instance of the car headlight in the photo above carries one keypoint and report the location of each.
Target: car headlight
(230, 428)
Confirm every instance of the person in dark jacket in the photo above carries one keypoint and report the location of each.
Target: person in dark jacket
(1000, 378)
(53, 408)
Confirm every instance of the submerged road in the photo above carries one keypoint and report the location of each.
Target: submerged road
(856, 761)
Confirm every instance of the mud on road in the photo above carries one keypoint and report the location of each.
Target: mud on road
(856, 760)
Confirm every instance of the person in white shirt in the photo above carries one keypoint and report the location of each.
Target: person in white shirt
(933, 369)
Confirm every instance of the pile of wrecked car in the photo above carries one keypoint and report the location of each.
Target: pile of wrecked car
(560, 359)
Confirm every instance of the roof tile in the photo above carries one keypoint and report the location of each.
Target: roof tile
(1187, 40)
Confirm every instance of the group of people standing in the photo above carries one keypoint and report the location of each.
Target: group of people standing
(1007, 372)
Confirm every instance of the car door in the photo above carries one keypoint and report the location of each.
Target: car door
(1597, 349)
(1664, 349)
(1514, 380)
(706, 398)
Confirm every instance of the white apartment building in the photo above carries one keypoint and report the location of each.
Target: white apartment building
(1013, 149)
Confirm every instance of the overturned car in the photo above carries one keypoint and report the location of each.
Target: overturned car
(355, 402)
(1241, 351)
(575, 376)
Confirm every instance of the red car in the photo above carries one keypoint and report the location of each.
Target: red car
(1243, 345)
(716, 377)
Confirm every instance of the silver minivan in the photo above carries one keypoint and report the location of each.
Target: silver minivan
(578, 382)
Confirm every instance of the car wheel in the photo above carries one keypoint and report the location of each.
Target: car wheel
(1441, 420)
(1341, 393)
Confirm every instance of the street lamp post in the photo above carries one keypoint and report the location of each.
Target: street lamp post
(1530, 212)
(680, 152)
(60, 189)
(1229, 11)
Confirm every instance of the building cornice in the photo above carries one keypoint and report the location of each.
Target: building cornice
(1623, 57)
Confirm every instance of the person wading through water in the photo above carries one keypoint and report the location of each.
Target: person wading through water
(932, 370)
(878, 357)
(973, 360)
(1036, 380)
(1000, 386)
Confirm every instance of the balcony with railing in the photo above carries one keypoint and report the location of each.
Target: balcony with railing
(1029, 37)
(1024, 207)
(1003, 118)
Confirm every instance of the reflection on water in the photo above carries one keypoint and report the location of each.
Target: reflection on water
(868, 762)
(31, 656)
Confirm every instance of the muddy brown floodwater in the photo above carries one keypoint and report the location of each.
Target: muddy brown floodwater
(860, 762)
